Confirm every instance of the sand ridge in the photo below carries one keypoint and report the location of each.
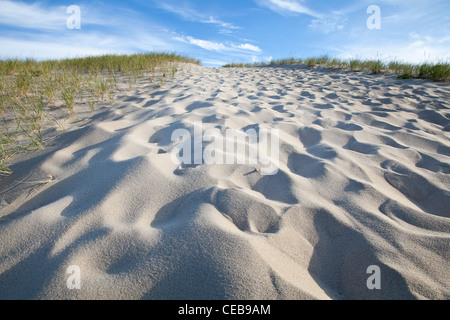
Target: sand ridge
(363, 180)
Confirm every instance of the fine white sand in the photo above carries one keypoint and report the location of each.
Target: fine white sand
(363, 181)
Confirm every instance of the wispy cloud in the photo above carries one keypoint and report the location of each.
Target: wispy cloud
(204, 44)
(32, 16)
(39, 17)
(193, 15)
(219, 46)
(288, 7)
(328, 24)
(77, 44)
(40, 32)
(413, 48)
(411, 31)
(321, 22)
(225, 27)
(249, 47)
(40, 48)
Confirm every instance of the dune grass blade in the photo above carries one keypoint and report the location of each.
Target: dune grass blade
(69, 99)
(4, 156)
(4, 169)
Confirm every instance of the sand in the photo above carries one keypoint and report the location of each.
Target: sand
(363, 181)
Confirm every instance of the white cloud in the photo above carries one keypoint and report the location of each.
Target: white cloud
(41, 33)
(204, 44)
(414, 49)
(190, 14)
(220, 23)
(249, 47)
(218, 46)
(32, 16)
(324, 23)
(288, 7)
(41, 49)
(77, 44)
(411, 31)
(38, 18)
(328, 24)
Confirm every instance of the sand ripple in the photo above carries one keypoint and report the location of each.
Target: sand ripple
(363, 180)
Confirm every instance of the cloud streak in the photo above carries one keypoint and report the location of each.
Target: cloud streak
(288, 7)
(219, 46)
(328, 24)
(32, 16)
(325, 23)
(192, 15)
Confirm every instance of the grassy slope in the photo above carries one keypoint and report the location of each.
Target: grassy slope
(29, 90)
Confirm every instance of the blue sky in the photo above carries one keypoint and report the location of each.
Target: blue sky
(222, 31)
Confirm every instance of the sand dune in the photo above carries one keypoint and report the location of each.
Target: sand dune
(363, 181)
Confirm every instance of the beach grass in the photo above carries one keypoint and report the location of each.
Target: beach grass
(30, 90)
(437, 71)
